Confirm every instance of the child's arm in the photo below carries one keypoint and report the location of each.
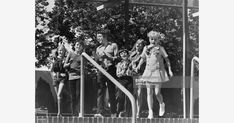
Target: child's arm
(67, 62)
(165, 56)
(96, 56)
(52, 73)
(169, 66)
(142, 60)
(115, 51)
(118, 70)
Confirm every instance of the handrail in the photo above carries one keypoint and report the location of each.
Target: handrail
(121, 87)
(191, 85)
(81, 114)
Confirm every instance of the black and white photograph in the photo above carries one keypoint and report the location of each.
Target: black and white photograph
(116, 61)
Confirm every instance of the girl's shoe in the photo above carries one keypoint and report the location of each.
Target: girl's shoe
(114, 115)
(151, 115)
(137, 115)
(59, 115)
(122, 114)
(162, 109)
(74, 114)
(98, 115)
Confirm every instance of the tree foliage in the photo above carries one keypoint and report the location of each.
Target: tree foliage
(70, 14)
(42, 45)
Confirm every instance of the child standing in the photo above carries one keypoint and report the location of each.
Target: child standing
(124, 106)
(59, 75)
(72, 63)
(135, 57)
(106, 55)
(154, 74)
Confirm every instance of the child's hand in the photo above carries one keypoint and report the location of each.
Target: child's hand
(70, 61)
(129, 72)
(119, 75)
(54, 75)
(136, 69)
(62, 74)
(170, 73)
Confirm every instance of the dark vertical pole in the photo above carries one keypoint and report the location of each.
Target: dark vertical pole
(185, 53)
(126, 12)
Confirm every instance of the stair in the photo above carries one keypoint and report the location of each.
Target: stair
(55, 119)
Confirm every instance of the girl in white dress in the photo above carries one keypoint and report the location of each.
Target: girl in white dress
(154, 74)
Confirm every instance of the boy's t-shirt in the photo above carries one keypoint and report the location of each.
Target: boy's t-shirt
(74, 70)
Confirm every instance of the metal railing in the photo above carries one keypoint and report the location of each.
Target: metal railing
(81, 114)
(191, 84)
(121, 87)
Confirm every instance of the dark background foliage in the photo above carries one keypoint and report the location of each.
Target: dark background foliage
(74, 13)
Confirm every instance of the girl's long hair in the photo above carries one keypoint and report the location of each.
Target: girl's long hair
(134, 46)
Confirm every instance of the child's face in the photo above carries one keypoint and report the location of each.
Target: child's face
(100, 38)
(61, 52)
(124, 55)
(78, 46)
(139, 46)
(153, 40)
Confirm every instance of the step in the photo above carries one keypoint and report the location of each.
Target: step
(55, 119)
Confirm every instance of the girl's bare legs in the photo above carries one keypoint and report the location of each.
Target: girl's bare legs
(60, 88)
(160, 99)
(150, 101)
(56, 89)
(139, 100)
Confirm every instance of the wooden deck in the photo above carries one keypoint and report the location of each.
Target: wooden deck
(54, 119)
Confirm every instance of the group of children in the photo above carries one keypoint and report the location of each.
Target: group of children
(66, 68)
(142, 66)
(152, 75)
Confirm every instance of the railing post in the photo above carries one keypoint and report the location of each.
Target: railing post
(81, 114)
(191, 90)
(191, 85)
(129, 95)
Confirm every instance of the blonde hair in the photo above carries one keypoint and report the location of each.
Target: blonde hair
(62, 47)
(156, 34)
(142, 41)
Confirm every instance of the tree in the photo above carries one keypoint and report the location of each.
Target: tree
(42, 45)
(70, 14)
